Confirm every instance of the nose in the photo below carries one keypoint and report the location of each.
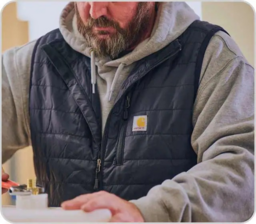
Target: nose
(98, 9)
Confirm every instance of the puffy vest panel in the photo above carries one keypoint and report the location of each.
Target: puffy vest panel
(147, 138)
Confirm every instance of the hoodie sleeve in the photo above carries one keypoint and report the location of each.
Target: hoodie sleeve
(221, 186)
(15, 90)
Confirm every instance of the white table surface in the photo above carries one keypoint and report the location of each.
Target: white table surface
(12, 214)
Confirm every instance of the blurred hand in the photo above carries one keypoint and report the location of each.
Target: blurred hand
(122, 211)
(5, 177)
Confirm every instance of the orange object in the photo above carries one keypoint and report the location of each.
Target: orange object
(7, 184)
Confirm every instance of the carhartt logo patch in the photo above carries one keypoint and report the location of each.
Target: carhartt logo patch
(140, 123)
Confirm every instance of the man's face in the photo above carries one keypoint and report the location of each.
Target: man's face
(112, 27)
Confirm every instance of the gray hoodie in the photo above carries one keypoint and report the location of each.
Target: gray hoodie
(220, 187)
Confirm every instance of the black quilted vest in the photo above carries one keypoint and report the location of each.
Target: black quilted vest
(70, 155)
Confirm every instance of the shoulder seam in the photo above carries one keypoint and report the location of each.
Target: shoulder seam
(25, 45)
(224, 41)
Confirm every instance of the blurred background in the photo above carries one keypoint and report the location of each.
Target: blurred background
(26, 21)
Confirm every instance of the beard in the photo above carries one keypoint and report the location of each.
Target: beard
(119, 41)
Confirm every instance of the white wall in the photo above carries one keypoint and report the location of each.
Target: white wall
(44, 16)
(197, 7)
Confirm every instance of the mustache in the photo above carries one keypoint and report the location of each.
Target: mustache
(103, 22)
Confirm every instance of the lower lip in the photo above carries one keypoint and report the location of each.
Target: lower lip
(107, 29)
(103, 36)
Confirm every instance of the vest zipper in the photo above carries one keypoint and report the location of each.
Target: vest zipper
(127, 105)
(97, 171)
(121, 137)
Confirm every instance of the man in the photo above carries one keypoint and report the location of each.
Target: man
(139, 108)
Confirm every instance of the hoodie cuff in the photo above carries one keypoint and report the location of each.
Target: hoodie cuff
(151, 210)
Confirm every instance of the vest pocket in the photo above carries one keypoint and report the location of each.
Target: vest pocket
(120, 145)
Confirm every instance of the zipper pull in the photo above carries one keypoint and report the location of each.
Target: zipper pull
(96, 181)
(98, 165)
(96, 184)
(127, 105)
